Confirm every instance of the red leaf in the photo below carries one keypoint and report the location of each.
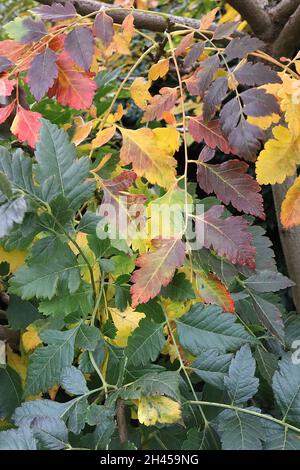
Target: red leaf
(160, 104)
(26, 126)
(228, 237)
(6, 111)
(6, 86)
(11, 49)
(72, 88)
(210, 133)
(231, 184)
(157, 269)
(212, 291)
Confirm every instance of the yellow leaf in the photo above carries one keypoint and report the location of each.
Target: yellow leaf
(158, 409)
(264, 122)
(82, 241)
(159, 70)
(125, 322)
(150, 154)
(18, 363)
(103, 137)
(290, 211)
(82, 130)
(168, 139)
(279, 159)
(128, 27)
(15, 258)
(115, 117)
(31, 339)
(139, 91)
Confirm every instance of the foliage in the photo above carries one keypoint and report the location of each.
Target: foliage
(191, 341)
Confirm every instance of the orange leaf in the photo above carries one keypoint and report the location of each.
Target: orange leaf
(157, 269)
(290, 211)
(212, 291)
(207, 20)
(82, 130)
(160, 104)
(26, 126)
(159, 70)
(103, 137)
(72, 88)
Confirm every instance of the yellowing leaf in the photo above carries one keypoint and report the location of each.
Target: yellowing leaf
(82, 130)
(18, 363)
(103, 137)
(115, 117)
(159, 70)
(264, 122)
(279, 158)
(290, 211)
(158, 409)
(168, 139)
(207, 20)
(139, 91)
(125, 322)
(15, 258)
(81, 239)
(150, 155)
(31, 339)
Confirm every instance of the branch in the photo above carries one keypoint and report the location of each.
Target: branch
(253, 12)
(121, 421)
(281, 12)
(288, 40)
(142, 20)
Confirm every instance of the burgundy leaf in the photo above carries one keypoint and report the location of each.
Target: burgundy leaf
(80, 45)
(214, 97)
(194, 54)
(229, 236)
(104, 28)
(160, 104)
(56, 11)
(259, 103)
(184, 44)
(35, 30)
(209, 132)
(226, 29)
(42, 73)
(256, 74)
(202, 78)
(246, 139)
(4, 64)
(231, 184)
(238, 48)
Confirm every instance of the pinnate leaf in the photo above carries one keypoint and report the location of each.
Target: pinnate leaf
(42, 73)
(209, 132)
(80, 45)
(145, 344)
(159, 104)
(238, 48)
(56, 11)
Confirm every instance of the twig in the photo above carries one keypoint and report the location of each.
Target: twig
(121, 421)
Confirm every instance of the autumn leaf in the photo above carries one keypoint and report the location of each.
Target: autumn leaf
(42, 73)
(229, 237)
(56, 11)
(231, 184)
(72, 88)
(82, 130)
(30, 338)
(15, 258)
(208, 19)
(159, 104)
(290, 211)
(156, 269)
(103, 136)
(125, 322)
(149, 156)
(212, 291)
(158, 409)
(159, 70)
(199, 82)
(209, 132)
(279, 158)
(6, 111)
(103, 28)
(80, 45)
(26, 126)
(139, 91)
(6, 86)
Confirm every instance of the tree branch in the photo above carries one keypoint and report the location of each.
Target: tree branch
(142, 20)
(253, 12)
(288, 40)
(281, 12)
(121, 421)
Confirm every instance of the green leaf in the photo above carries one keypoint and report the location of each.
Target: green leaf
(269, 315)
(179, 290)
(51, 433)
(154, 383)
(145, 343)
(18, 170)
(73, 381)
(209, 328)
(88, 223)
(32, 409)
(81, 300)
(286, 388)
(199, 440)
(20, 313)
(88, 337)
(76, 415)
(42, 280)
(241, 383)
(56, 157)
(212, 367)
(268, 281)
(21, 236)
(279, 438)
(292, 328)
(240, 431)
(10, 392)
(5, 186)
(17, 439)
(61, 214)
(46, 363)
(11, 212)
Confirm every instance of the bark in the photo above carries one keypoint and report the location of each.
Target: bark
(121, 421)
(254, 13)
